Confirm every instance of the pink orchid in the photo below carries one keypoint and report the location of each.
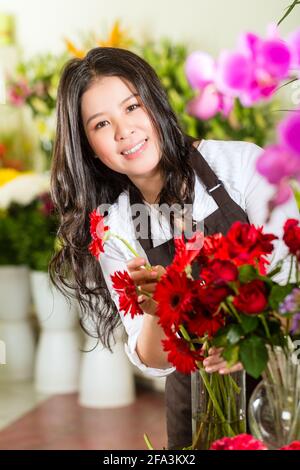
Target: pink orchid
(293, 40)
(289, 133)
(200, 69)
(276, 162)
(208, 103)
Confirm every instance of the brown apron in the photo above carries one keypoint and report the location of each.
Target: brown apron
(178, 385)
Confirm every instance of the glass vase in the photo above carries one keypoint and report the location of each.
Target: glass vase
(274, 406)
(218, 407)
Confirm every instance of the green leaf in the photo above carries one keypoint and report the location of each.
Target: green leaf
(234, 334)
(220, 339)
(231, 354)
(249, 323)
(247, 273)
(289, 9)
(278, 294)
(254, 355)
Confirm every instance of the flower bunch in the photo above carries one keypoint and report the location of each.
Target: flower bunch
(234, 304)
(247, 442)
(230, 302)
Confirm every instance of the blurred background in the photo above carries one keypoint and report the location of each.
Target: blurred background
(54, 394)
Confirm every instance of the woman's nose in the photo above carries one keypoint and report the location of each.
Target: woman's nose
(123, 132)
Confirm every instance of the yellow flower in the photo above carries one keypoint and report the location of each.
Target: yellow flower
(73, 49)
(8, 174)
(116, 38)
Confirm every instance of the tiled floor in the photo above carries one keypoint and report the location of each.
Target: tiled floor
(16, 399)
(58, 422)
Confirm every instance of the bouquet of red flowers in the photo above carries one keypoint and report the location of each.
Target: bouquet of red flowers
(217, 292)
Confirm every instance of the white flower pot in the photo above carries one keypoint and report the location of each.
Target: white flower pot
(106, 379)
(14, 292)
(16, 333)
(18, 338)
(58, 352)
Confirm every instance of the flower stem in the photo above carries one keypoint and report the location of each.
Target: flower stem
(148, 443)
(135, 253)
(291, 269)
(266, 328)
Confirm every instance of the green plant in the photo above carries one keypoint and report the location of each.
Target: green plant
(39, 226)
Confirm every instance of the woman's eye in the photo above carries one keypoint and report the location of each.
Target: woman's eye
(132, 107)
(101, 124)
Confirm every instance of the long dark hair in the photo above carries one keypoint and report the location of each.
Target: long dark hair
(80, 183)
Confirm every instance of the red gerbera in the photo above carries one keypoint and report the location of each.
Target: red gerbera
(186, 252)
(180, 354)
(96, 247)
(239, 442)
(219, 271)
(212, 244)
(173, 294)
(97, 227)
(204, 323)
(126, 289)
(295, 445)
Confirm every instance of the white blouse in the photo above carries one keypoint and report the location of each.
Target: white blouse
(234, 164)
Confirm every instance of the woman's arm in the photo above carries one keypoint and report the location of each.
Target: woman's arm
(149, 344)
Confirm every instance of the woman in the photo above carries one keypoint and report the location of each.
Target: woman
(119, 144)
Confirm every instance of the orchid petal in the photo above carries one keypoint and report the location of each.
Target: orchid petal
(234, 72)
(275, 58)
(206, 105)
(275, 163)
(200, 69)
(289, 132)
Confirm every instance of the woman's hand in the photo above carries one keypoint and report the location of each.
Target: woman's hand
(216, 363)
(145, 280)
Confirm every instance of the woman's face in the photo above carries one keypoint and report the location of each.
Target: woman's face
(119, 129)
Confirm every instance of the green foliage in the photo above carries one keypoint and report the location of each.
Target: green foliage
(27, 236)
(254, 355)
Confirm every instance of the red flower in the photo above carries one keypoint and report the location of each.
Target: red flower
(219, 271)
(173, 294)
(252, 297)
(291, 236)
(211, 296)
(180, 354)
(240, 442)
(292, 446)
(126, 290)
(186, 252)
(212, 244)
(97, 227)
(96, 247)
(246, 243)
(204, 323)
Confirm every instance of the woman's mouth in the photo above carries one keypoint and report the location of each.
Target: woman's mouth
(136, 150)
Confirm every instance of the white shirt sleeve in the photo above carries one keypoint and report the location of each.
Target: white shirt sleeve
(257, 192)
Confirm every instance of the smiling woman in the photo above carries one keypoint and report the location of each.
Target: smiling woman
(112, 106)
(123, 132)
